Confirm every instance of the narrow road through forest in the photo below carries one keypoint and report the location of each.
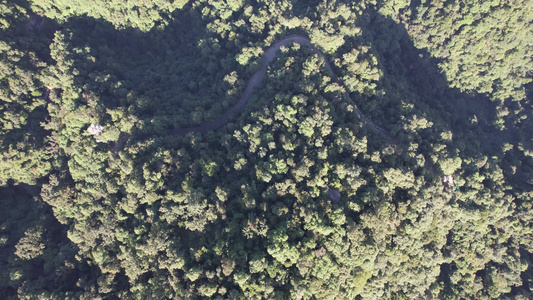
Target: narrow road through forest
(269, 56)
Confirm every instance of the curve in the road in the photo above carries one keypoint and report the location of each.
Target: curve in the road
(269, 55)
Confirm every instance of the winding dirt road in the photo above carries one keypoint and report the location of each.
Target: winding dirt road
(269, 56)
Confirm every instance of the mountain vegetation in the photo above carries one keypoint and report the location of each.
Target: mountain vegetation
(389, 158)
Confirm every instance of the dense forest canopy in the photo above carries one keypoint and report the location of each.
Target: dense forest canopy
(389, 156)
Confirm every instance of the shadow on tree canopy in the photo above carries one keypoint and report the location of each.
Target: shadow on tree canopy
(181, 75)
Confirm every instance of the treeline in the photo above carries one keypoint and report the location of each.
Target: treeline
(440, 207)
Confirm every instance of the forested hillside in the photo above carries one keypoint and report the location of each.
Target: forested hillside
(384, 152)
